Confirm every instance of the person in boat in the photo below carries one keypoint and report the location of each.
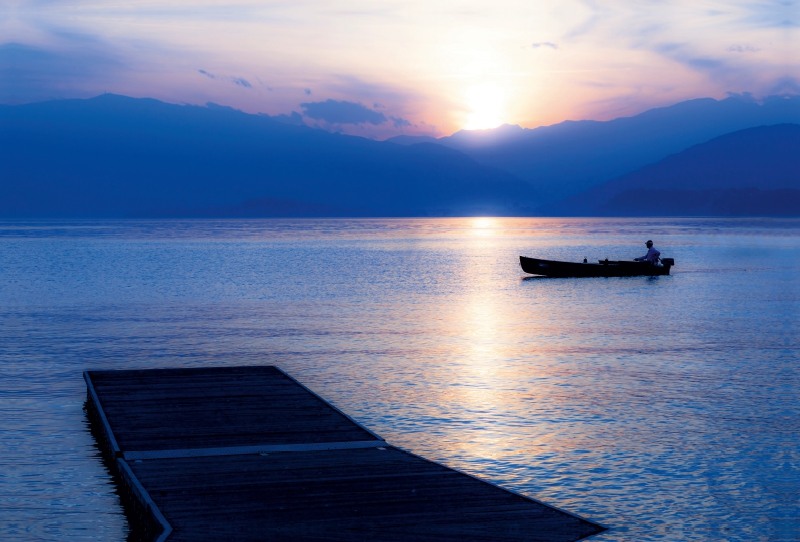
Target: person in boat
(652, 255)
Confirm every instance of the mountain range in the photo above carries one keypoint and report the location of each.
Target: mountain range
(118, 156)
(567, 158)
(114, 156)
(746, 173)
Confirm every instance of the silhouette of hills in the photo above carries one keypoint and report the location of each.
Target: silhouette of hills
(412, 140)
(729, 202)
(572, 156)
(746, 173)
(258, 208)
(117, 156)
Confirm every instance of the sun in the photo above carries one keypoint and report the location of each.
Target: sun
(486, 102)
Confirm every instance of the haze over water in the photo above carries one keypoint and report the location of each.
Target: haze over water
(665, 408)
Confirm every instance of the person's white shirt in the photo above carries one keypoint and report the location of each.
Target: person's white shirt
(651, 256)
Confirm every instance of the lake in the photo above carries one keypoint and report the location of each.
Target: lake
(666, 408)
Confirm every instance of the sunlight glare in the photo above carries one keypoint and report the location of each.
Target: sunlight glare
(483, 226)
(486, 102)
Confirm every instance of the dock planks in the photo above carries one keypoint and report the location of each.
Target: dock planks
(165, 409)
(248, 453)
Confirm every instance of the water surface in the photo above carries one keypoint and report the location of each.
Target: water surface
(666, 408)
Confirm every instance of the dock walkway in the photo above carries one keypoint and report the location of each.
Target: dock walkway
(248, 453)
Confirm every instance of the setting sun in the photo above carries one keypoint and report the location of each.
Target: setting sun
(486, 103)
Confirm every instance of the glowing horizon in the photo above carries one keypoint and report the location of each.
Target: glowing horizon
(403, 67)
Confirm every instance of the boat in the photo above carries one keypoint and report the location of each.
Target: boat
(603, 268)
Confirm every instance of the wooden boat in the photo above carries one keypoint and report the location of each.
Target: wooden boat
(604, 268)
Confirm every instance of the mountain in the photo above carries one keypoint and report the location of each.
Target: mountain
(258, 208)
(749, 172)
(411, 140)
(117, 156)
(570, 157)
(466, 140)
(731, 202)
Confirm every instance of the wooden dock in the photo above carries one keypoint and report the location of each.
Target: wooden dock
(248, 453)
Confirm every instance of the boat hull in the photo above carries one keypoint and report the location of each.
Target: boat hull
(551, 268)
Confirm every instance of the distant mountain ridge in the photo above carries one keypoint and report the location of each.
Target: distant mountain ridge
(258, 208)
(116, 156)
(745, 173)
(572, 156)
(731, 202)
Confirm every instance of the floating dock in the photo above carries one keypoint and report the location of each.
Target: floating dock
(249, 453)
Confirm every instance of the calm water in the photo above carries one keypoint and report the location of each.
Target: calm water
(666, 408)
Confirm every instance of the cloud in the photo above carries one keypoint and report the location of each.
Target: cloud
(260, 82)
(238, 81)
(743, 49)
(704, 64)
(786, 84)
(544, 44)
(399, 101)
(399, 122)
(336, 112)
(295, 118)
(744, 96)
(351, 86)
(721, 69)
(667, 48)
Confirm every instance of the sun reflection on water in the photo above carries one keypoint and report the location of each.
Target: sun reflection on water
(483, 226)
(665, 408)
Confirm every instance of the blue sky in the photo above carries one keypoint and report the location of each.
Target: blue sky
(416, 67)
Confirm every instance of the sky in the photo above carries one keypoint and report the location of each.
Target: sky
(380, 68)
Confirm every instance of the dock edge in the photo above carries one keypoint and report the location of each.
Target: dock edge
(140, 509)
